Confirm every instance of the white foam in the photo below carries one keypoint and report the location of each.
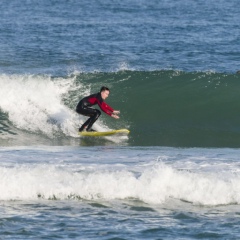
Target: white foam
(155, 184)
(35, 103)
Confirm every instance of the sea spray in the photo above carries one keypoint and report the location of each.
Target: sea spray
(154, 185)
(34, 103)
(37, 104)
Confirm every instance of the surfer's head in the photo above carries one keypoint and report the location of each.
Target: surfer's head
(104, 92)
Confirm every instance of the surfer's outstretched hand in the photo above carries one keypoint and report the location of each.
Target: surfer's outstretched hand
(115, 114)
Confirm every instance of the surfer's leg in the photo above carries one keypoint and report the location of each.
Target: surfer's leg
(93, 119)
(84, 125)
(92, 113)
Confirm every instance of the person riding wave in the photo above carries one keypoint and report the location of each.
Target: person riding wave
(84, 108)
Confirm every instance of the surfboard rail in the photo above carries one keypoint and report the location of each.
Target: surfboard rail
(106, 133)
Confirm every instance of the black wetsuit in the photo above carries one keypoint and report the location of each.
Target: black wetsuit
(84, 108)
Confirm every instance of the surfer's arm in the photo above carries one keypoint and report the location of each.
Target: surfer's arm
(106, 108)
(113, 112)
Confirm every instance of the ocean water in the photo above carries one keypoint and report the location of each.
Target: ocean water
(172, 70)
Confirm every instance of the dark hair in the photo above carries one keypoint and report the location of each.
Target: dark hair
(104, 89)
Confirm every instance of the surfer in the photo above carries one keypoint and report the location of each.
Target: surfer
(84, 108)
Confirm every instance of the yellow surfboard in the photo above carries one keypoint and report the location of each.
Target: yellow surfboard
(103, 134)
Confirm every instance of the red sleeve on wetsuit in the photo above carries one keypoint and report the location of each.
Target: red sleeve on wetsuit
(96, 99)
(106, 108)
